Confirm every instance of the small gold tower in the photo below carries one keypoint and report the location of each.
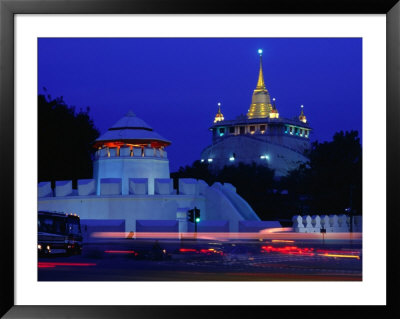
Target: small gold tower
(274, 112)
(261, 106)
(302, 117)
(219, 117)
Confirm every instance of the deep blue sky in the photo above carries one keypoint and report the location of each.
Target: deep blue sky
(174, 84)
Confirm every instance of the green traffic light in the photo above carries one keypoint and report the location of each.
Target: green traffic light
(197, 220)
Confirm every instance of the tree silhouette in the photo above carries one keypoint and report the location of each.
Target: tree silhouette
(65, 140)
(336, 173)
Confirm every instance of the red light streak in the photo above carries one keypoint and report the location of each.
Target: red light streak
(121, 252)
(55, 264)
(288, 250)
(184, 250)
(45, 266)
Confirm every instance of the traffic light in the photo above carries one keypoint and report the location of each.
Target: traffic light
(194, 215)
(197, 215)
(191, 215)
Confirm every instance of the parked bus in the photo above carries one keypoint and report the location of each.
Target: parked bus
(59, 233)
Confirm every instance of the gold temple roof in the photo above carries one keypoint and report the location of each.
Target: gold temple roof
(219, 117)
(261, 106)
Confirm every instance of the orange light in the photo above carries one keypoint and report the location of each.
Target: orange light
(277, 230)
(282, 241)
(136, 143)
(340, 252)
(339, 256)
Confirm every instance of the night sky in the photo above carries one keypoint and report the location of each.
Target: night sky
(175, 84)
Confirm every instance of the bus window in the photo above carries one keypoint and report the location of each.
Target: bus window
(73, 226)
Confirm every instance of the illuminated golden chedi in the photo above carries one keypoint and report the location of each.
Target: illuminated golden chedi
(261, 106)
(274, 112)
(302, 117)
(219, 117)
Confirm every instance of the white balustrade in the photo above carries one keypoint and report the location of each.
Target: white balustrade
(125, 151)
(298, 226)
(314, 224)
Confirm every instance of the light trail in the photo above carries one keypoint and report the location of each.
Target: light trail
(55, 264)
(288, 250)
(282, 241)
(121, 252)
(271, 235)
(339, 256)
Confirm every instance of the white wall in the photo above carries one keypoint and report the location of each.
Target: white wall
(129, 208)
(215, 203)
(130, 167)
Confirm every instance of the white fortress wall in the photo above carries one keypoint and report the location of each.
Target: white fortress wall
(128, 208)
(221, 207)
(63, 188)
(44, 189)
(163, 186)
(86, 187)
(138, 186)
(216, 203)
(131, 167)
(188, 186)
(110, 186)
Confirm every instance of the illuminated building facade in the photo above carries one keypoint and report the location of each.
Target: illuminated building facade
(132, 189)
(260, 136)
(131, 149)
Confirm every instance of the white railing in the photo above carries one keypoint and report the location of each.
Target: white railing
(137, 152)
(331, 223)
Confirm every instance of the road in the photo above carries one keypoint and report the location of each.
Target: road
(132, 260)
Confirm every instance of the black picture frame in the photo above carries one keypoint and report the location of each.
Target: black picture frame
(8, 10)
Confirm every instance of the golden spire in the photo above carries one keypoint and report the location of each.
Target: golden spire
(302, 117)
(260, 83)
(219, 117)
(260, 106)
(274, 114)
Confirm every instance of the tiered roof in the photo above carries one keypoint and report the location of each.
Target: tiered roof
(131, 130)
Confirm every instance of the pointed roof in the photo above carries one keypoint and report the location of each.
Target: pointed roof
(131, 130)
(219, 117)
(260, 82)
(261, 102)
(302, 117)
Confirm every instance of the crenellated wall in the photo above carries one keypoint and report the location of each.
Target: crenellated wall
(216, 203)
(113, 186)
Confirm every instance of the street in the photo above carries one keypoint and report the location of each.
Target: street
(169, 260)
